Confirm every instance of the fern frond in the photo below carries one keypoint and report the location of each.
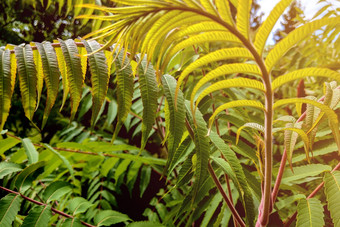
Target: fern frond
(294, 37)
(248, 125)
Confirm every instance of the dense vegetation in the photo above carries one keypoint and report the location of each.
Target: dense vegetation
(178, 115)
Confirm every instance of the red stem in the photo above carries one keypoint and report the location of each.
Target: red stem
(225, 197)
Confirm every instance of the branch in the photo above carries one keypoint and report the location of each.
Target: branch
(44, 204)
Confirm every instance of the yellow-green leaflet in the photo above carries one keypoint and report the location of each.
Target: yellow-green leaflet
(250, 125)
(51, 75)
(302, 73)
(27, 78)
(213, 36)
(310, 212)
(243, 14)
(223, 54)
(40, 74)
(237, 82)
(100, 75)
(237, 103)
(224, 10)
(6, 88)
(267, 26)
(294, 37)
(74, 73)
(224, 70)
(63, 72)
(332, 191)
(332, 116)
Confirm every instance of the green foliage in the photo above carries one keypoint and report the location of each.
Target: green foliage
(171, 93)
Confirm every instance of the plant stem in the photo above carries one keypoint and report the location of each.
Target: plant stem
(311, 195)
(43, 204)
(225, 197)
(279, 175)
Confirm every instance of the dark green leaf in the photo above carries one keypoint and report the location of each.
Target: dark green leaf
(56, 190)
(8, 168)
(9, 208)
(79, 205)
(28, 175)
(38, 216)
(109, 218)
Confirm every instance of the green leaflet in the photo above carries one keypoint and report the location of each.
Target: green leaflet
(109, 217)
(74, 73)
(28, 175)
(38, 216)
(8, 143)
(31, 152)
(309, 213)
(7, 168)
(27, 78)
(201, 141)
(75, 222)
(332, 191)
(294, 37)
(9, 208)
(241, 182)
(267, 26)
(78, 205)
(100, 74)
(177, 116)
(303, 172)
(124, 89)
(145, 224)
(51, 75)
(6, 88)
(149, 94)
(62, 158)
(56, 190)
